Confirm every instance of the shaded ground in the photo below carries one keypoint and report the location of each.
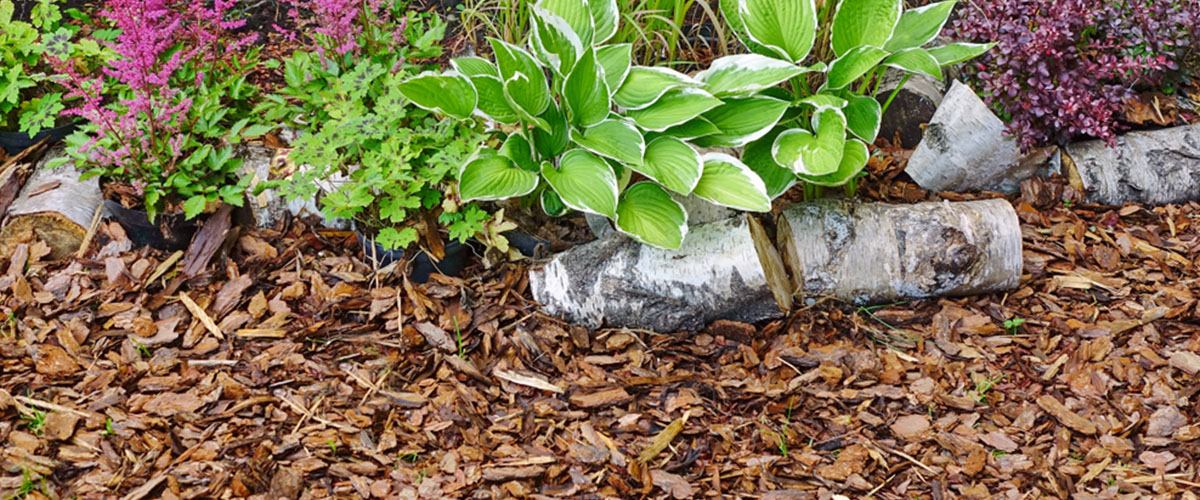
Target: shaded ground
(319, 386)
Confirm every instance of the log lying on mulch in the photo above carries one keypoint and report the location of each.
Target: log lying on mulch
(622, 283)
(967, 148)
(1154, 167)
(876, 253)
(54, 206)
(270, 208)
(861, 253)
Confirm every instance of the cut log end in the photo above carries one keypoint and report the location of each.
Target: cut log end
(55, 206)
(61, 234)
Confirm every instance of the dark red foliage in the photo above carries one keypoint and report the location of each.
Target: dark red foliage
(1062, 68)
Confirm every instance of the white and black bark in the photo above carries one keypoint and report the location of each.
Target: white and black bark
(270, 207)
(967, 148)
(875, 253)
(1154, 167)
(622, 283)
(55, 206)
(913, 106)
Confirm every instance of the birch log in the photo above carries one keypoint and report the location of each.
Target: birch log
(875, 253)
(54, 206)
(966, 148)
(1155, 167)
(622, 283)
(913, 107)
(270, 207)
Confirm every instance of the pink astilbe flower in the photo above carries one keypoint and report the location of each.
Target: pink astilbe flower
(347, 27)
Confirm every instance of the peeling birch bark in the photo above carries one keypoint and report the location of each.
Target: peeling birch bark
(54, 206)
(913, 107)
(966, 148)
(270, 207)
(1154, 167)
(622, 283)
(875, 253)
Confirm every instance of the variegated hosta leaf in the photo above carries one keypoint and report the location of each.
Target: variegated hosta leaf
(450, 93)
(672, 163)
(745, 74)
(554, 41)
(757, 155)
(490, 176)
(616, 61)
(577, 14)
(743, 119)
(585, 93)
(863, 117)
(524, 82)
(853, 65)
(919, 26)
(552, 140)
(645, 85)
(614, 139)
(694, 129)
(606, 18)
(916, 61)
(788, 27)
(649, 215)
(585, 182)
(809, 154)
(728, 182)
(674, 108)
(474, 66)
(954, 53)
(552, 204)
(517, 148)
(864, 23)
(854, 158)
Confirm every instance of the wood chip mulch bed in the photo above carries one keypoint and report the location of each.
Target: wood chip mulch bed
(287, 369)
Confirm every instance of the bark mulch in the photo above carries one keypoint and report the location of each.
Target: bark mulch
(287, 369)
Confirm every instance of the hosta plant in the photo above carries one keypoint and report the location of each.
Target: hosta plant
(583, 120)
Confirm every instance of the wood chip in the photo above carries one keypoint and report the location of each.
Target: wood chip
(1067, 417)
(529, 380)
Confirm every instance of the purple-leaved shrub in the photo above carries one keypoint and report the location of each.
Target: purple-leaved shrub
(1063, 68)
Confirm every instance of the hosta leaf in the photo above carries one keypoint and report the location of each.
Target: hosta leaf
(517, 148)
(919, 26)
(616, 61)
(450, 93)
(492, 102)
(614, 139)
(552, 204)
(787, 27)
(585, 182)
(825, 101)
(731, 10)
(864, 23)
(606, 18)
(645, 85)
(490, 176)
(693, 129)
(954, 53)
(730, 183)
(809, 154)
(524, 82)
(853, 65)
(863, 117)
(577, 14)
(553, 142)
(474, 66)
(757, 156)
(672, 163)
(917, 61)
(585, 93)
(676, 107)
(554, 41)
(742, 120)
(745, 74)
(649, 215)
(854, 158)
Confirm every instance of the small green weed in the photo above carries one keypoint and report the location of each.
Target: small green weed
(35, 420)
(1013, 324)
(983, 384)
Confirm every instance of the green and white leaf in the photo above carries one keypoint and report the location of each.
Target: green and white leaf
(490, 176)
(864, 23)
(553, 139)
(449, 93)
(554, 41)
(954, 53)
(854, 158)
(916, 61)
(825, 101)
(757, 155)
(674, 108)
(552, 204)
(788, 27)
(728, 182)
(524, 82)
(806, 153)
(645, 85)
(614, 139)
(742, 120)
(517, 148)
(745, 74)
(672, 163)
(585, 92)
(585, 182)
(693, 129)
(919, 26)
(616, 61)
(864, 115)
(648, 214)
(606, 18)
(731, 10)
(853, 65)
(492, 101)
(577, 14)
(474, 66)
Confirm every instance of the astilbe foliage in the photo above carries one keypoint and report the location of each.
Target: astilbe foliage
(348, 27)
(1063, 68)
